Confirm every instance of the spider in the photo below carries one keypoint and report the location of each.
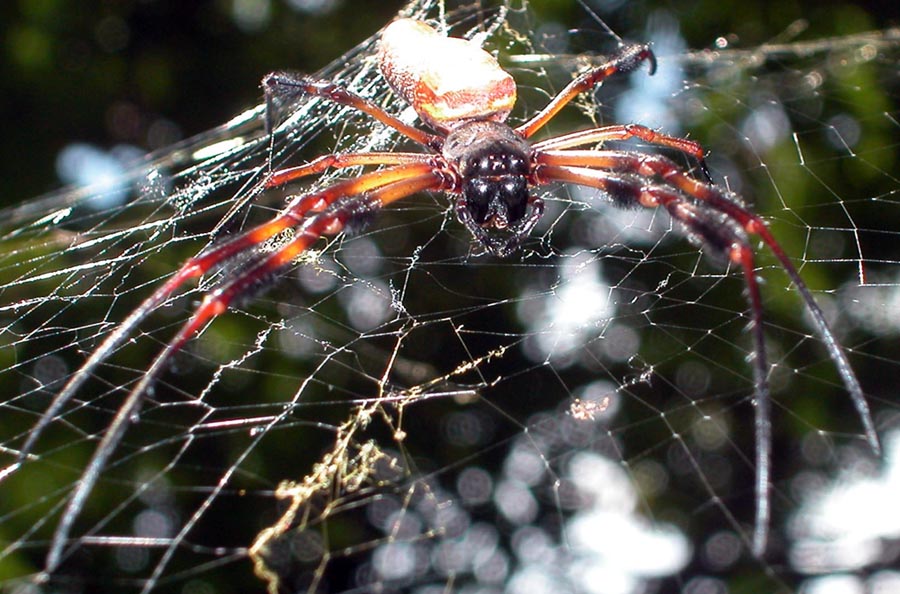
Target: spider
(490, 168)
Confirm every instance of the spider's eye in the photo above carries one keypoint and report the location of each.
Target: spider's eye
(497, 164)
(480, 166)
(517, 164)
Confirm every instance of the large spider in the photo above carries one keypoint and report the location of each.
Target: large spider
(490, 168)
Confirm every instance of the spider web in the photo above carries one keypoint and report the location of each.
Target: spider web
(402, 413)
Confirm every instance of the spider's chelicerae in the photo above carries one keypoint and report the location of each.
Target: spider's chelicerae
(490, 169)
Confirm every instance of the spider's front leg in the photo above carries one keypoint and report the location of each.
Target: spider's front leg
(726, 238)
(627, 59)
(722, 223)
(587, 165)
(291, 216)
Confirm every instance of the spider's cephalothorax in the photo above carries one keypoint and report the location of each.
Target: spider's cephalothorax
(465, 97)
(493, 164)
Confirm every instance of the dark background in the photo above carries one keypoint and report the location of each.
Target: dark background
(105, 72)
(150, 73)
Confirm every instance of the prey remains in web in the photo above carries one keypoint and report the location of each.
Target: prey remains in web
(489, 170)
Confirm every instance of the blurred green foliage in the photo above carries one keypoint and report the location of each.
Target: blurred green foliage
(148, 73)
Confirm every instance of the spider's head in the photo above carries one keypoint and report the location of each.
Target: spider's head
(495, 188)
(494, 166)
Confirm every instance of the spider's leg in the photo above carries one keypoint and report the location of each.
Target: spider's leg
(341, 161)
(645, 165)
(291, 86)
(318, 165)
(328, 222)
(731, 240)
(628, 58)
(624, 132)
(632, 188)
(724, 238)
(291, 216)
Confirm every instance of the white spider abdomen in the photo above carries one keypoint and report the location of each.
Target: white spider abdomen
(447, 80)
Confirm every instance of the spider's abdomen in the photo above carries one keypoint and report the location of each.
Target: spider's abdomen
(447, 80)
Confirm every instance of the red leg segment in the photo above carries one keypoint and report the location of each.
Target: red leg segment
(292, 215)
(344, 160)
(651, 166)
(292, 86)
(552, 146)
(621, 132)
(626, 60)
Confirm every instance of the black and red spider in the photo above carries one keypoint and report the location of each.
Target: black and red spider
(490, 169)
